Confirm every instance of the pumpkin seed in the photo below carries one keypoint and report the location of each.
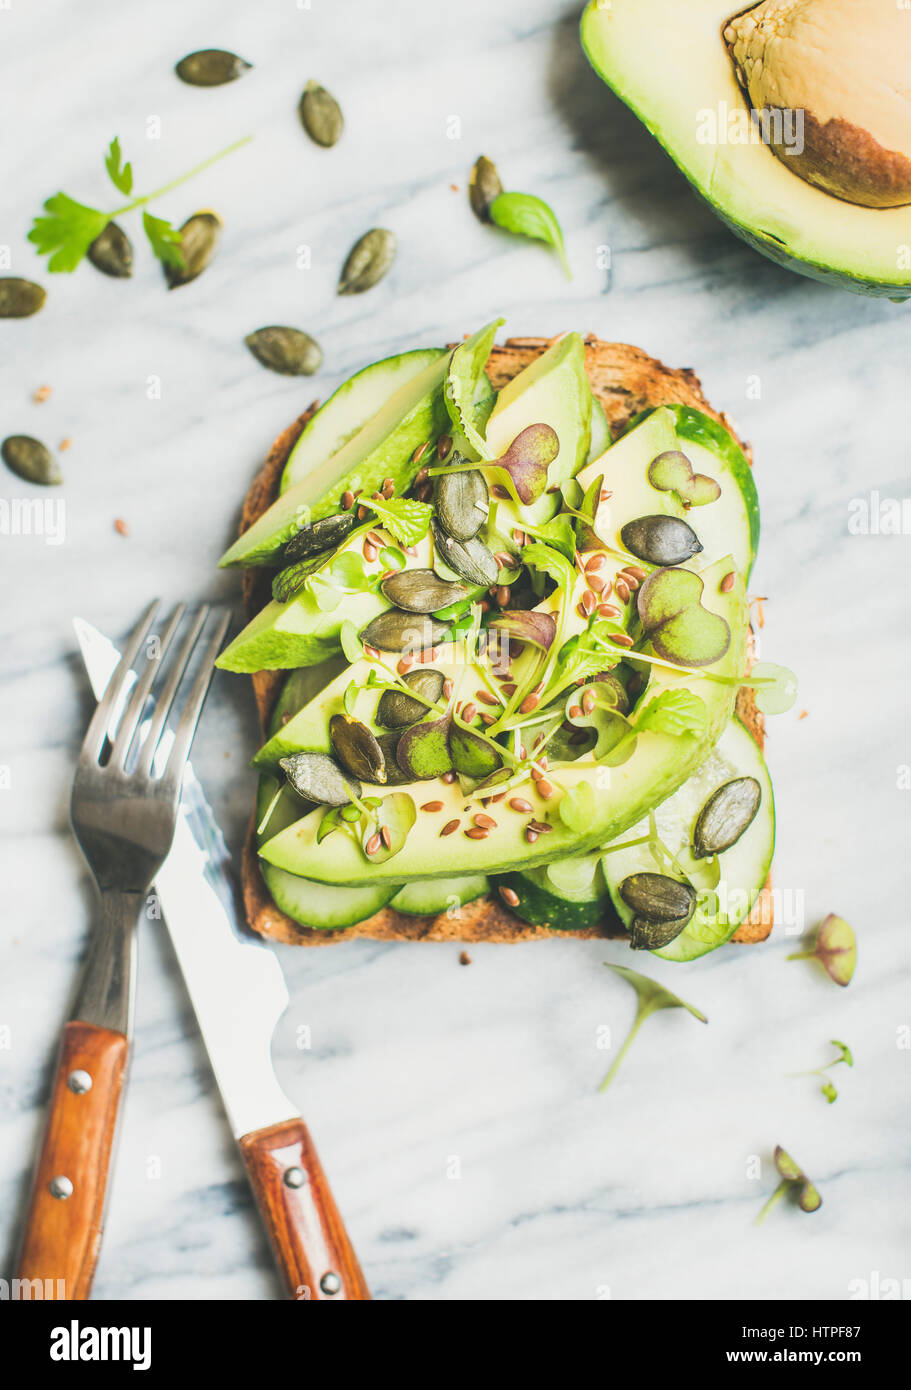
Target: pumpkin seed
(368, 261)
(357, 748)
(646, 935)
(423, 749)
(421, 591)
(462, 502)
(388, 743)
(324, 534)
(317, 777)
(211, 67)
(292, 580)
(397, 710)
(198, 241)
(471, 559)
(658, 898)
(729, 811)
(112, 252)
(31, 460)
(471, 755)
(396, 631)
(19, 299)
(321, 115)
(660, 540)
(285, 350)
(483, 186)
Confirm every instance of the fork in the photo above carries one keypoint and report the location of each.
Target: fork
(124, 806)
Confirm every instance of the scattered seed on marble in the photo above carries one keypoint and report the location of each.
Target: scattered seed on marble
(509, 896)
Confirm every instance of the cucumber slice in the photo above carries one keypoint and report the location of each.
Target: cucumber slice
(565, 896)
(430, 896)
(349, 409)
(320, 905)
(744, 867)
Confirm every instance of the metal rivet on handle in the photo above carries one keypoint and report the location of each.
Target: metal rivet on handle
(79, 1082)
(330, 1282)
(295, 1177)
(60, 1187)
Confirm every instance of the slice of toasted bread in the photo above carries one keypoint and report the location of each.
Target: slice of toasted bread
(625, 381)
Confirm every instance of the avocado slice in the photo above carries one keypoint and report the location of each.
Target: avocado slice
(668, 62)
(554, 390)
(659, 764)
(382, 448)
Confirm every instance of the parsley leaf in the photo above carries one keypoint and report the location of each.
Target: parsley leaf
(406, 519)
(120, 174)
(67, 232)
(674, 712)
(164, 239)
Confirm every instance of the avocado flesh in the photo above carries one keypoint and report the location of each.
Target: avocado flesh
(667, 61)
(658, 766)
(382, 448)
(554, 390)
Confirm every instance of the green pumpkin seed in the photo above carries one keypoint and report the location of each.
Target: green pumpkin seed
(462, 502)
(729, 811)
(198, 241)
(368, 261)
(421, 591)
(397, 710)
(471, 755)
(356, 748)
(388, 743)
(660, 540)
(31, 460)
(211, 67)
(112, 252)
(321, 115)
(19, 299)
(647, 935)
(317, 777)
(324, 534)
(658, 898)
(423, 749)
(285, 350)
(396, 631)
(471, 559)
(483, 186)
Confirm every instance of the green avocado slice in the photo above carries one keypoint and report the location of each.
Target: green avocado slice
(668, 62)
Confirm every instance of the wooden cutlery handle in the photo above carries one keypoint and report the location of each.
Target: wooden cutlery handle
(65, 1213)
(309, 1240)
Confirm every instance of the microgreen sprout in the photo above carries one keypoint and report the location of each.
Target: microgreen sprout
(835, 948)
(828, 1088)
(651, 997)
(794, 1181)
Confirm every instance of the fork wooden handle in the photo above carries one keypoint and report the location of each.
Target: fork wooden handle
(65, 1213)
(308, 1236)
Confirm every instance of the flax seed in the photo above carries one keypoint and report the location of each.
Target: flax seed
(448, 778)
(486, 697)
(372, 652)
(374, 539)
(606, 495)
(488, 719)
(421, 476)
(622, 639)
(596, 582)
(450, 826)
(373, 844)
(509, 689)
(727, 582)
(499, 491)
(404, 665)
(362, 513)
(518, 536)
(428, 654)
(607, 610)
(469, 712)
(588, 602)
(504, 560)
(621, 589)
(529, 703)
(420, 451)
(499, 797)
(503, 595)
(541, 826)
(509, 896)
(575, 711)
(531, 835)
(485, 822)
(596, 562)
(477, 832)
(447, 688)
(387, 836)
(545, 789)
(444, 444)
(432, 806)
(588, 702)
(518, 803)
(347, 500)
(637, 572)
(629, 580)
(536, 774)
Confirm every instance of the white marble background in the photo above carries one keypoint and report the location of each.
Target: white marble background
(563, 1194)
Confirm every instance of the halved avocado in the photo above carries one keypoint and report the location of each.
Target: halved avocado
(669, 62)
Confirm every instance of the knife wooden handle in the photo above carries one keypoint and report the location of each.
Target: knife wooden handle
(308, 1236)
(65, 1213)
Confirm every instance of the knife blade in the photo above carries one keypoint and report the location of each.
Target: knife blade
(238, 992)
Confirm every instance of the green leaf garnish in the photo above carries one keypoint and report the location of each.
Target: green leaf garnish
(775, 686)
(120, 174)
(406, 519)
(835, 948)
(794, 1180)
(465, 367)
(674, 712)
(70, 227)
(651, 997)
(527, 215)
(350, 642)
(828, 1089)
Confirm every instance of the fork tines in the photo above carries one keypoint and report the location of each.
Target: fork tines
(149, 682)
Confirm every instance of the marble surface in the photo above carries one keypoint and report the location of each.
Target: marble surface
(455, 1108)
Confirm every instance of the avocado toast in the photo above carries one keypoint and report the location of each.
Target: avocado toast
(576, 568)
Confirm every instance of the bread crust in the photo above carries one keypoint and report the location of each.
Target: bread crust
(625, 381)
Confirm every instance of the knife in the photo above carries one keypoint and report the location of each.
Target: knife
(239, 993)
